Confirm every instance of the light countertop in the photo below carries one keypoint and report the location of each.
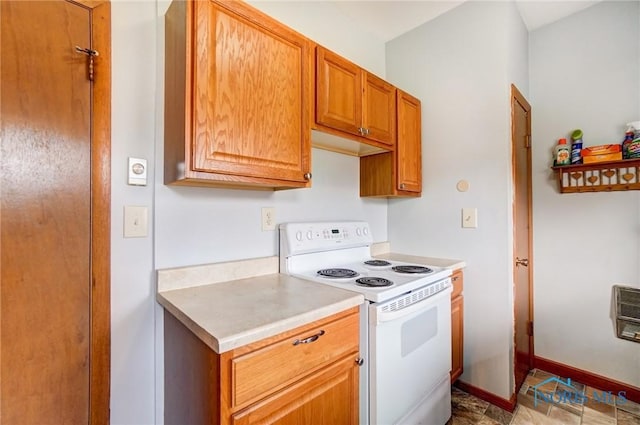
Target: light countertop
(230, 314)
(228, 305)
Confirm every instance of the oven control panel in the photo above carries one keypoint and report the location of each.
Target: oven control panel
(299, 238)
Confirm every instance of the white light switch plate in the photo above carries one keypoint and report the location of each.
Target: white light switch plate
(135, 222)
(470, 217)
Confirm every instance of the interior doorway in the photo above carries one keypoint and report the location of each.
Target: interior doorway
(55, 211)
(523, 236)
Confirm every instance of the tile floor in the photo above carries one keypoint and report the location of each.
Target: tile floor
(574, 405)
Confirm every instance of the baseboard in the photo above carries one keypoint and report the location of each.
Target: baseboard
(502, 403)
(587, 378)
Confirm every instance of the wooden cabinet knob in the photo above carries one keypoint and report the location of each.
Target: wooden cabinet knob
(307, 176)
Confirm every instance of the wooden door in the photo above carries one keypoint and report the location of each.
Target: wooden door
(327, 397)
(521, 146)
(409, 143)
(250, 102)
(338, 92)
(379, 110)
(54, 330)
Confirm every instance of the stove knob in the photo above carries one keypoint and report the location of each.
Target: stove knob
(299, 236)
(365, 231)
(309, 235)
(358, 231)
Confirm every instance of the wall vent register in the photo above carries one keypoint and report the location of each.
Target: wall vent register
(627, 301)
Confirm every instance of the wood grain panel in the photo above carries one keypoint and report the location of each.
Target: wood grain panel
(330, 397)
(338, 92)
(409, 144)
(379, 111)
(278, 364)
(177, 109)
(457, 337)
(250, 97)
(191, 377)
(457, 325)
(377, 174)
(457, 280)
(100, 356)
(46, 214)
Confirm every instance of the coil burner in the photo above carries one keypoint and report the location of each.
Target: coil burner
(375, 282)
(337, 273)
(411, 269)
(377, 263)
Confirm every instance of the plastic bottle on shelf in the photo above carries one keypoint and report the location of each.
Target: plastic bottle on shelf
(576, 147)
(562, 153)
(633, 148)
(628, 138)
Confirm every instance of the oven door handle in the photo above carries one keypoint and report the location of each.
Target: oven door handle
(381, 316)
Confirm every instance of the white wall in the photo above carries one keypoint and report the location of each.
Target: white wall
(585, 73)
(132, 278)
(461, 66)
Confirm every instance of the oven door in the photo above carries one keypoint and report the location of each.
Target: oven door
(410, 357)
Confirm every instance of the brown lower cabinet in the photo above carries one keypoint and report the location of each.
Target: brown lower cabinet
(457, 326)
(307, 375)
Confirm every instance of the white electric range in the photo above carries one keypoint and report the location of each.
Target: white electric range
(405, 323)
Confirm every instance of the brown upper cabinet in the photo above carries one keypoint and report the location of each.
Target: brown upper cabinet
(409, 149)
(236, 98)
(352, 102)
(397, 173)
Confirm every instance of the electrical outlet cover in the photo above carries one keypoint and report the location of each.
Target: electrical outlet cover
(268, 219)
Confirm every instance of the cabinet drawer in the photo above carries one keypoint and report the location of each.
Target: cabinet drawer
(268, 369)
(456, 279)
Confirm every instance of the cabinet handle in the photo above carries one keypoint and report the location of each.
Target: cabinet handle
(307, 176)
(401, 185)
(455, 278)
(366, 131)
(308, 340)
(359, 361)
(362, 131)
(522, 262)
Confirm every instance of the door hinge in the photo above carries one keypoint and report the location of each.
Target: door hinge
(530, 328)
(527, 141)
(90, 54)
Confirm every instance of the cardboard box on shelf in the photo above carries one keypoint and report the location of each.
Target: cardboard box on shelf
(601, 150)
(590, 159)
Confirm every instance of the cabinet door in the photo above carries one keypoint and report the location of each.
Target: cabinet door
(379, 113)
(457, 332)
(409, 143)
(338, 92)
(329, 396)
(250, 95)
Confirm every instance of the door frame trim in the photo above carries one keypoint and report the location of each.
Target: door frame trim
(100, 316)
(518, 98)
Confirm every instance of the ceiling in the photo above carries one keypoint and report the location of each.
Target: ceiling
(389, 19)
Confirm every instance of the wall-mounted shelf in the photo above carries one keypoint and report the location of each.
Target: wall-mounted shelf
(599, 177)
